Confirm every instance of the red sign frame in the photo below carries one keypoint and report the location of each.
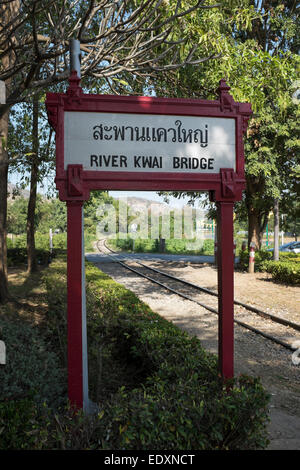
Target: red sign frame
(74, 185)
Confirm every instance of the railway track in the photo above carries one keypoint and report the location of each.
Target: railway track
(286, 330)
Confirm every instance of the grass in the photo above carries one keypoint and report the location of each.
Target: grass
(33, 368)
(28, 295)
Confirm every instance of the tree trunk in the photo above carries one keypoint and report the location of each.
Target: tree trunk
(30, 228)
(257, 223)
(276, 231)
(254, 232)
(6, 11)
(3, 208)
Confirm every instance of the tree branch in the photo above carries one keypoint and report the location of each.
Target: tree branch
(115, 38)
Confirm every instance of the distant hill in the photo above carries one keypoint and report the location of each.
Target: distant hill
(138, 204)
(14, 191)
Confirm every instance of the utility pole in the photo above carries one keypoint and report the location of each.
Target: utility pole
(77, 328)
(276, 230)
(75, 56)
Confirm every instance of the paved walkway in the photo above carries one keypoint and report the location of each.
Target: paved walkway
(103, 258)
(97, 257)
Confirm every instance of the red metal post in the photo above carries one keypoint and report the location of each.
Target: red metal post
(226, 288)
(74, 284)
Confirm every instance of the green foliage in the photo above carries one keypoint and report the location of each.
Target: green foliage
(20, 140)
(286, 270)
(172, 246)
(260, 257)
(56, 316)
(16, 424)
(157, 387)
(48, 214)
(52, 214)
(17, 215)
(21, 426)
(32, 369)
(175, 374)
(153, 417)
(208, 247)
(59, 241)
(124, 244)
(17, 251)
(259, 44)
(18, 256)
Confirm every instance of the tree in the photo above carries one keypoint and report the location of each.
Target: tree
(290, 204)
(260, 41)
(17, 215)
(31, 155)
(116, 37)
(34, 175)
(53, 215)
(272, 149)
(6, 11)
(49, 213)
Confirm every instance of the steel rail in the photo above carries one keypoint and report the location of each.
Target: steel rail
(269, 316)
(211, 309)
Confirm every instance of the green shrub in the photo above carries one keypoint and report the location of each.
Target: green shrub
(172, 246)
(208, 247)
(17, 256)
(89, 239)
(42, 241)
(260, 257)
(294, 257)
(59, 241)
(20, 241)
(31, 368)
(21, 425)
(124, 244)
(287, 272)
(181, 411)
(144, 246)
(56, 315)
(175, 398)
(157, 388)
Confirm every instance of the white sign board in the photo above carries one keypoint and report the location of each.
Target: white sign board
(148, 142)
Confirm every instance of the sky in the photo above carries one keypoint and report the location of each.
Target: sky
(151, 195)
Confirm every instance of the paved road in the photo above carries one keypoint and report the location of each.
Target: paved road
(102, 258)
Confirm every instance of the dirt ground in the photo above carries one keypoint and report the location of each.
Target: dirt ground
(254, 355)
